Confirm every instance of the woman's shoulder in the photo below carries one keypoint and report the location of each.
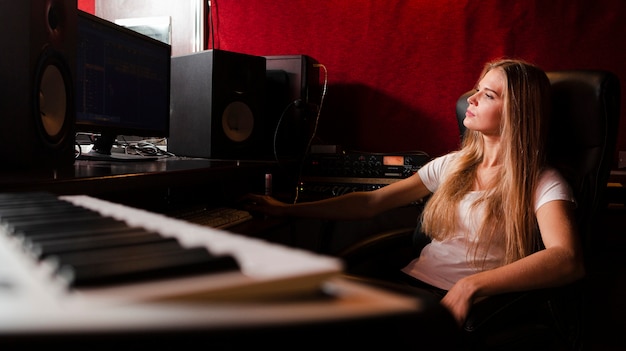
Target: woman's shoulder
(433, 172)
(446, 158)
(439, 163)
(552, 186)
(550, 173)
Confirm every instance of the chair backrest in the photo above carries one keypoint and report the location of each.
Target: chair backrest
(582, 136)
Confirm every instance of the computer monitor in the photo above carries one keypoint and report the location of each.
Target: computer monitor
(122, 85)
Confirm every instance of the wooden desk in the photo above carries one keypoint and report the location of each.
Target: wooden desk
(99, 177)
(161, 186)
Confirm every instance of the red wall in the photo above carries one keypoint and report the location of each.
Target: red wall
(396, 68)
(87, 5)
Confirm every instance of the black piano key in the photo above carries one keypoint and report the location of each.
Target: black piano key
(34, 208)
(40, 202)
(41, 248)
(13, 200)
(9, 214)
(90, 249)
(174, 264)
(31, 217)
(43, 223)
(70, 228)
(115, 254)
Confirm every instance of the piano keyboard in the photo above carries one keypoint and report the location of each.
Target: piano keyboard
(73, 249)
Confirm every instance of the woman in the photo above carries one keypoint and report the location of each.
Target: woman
(500, 219)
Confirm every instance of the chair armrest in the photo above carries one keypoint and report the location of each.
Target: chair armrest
(380, 255)
(396, 238)
(519, 315)
(494, 310)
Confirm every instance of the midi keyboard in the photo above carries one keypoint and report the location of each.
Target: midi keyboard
(59, 251)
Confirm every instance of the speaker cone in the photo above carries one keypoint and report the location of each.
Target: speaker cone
(238, 121)
(53, 98)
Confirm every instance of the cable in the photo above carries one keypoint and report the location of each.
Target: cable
(319, 110)
(145, 148)
(78, 151)
(317, 119)
(282, 115)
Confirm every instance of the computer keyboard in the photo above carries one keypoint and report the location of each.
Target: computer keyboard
(215, 217)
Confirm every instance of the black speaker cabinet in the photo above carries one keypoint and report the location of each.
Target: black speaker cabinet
(292, 101)
(37, 69)
(217, 105)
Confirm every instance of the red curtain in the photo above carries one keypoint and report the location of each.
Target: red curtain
(396, 68)
(87, 5)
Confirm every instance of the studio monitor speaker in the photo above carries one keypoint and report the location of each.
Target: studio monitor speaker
(292, 101)
(217, 105)
(37, 91)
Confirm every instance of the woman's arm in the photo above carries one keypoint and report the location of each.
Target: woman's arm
(351, 206)
(559, 263)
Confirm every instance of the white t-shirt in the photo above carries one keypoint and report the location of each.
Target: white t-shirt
(442, 263)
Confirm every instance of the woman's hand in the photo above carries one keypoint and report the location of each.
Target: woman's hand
(264, 204)
(459, 299)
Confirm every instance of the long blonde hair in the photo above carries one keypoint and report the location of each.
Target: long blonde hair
(509, 202)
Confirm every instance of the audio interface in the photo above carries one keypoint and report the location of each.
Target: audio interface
(329, 175)
(365, 165)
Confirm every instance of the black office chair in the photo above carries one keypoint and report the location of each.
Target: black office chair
(582, 140)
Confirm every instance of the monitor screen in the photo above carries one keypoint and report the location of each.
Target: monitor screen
(122, 83)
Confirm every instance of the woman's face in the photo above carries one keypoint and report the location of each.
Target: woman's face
(485, 105)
